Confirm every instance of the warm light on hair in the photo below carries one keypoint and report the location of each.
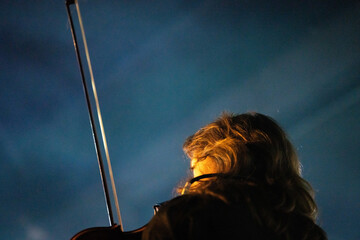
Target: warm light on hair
(254, 146)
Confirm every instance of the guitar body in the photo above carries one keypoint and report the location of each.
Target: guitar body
(108, 233)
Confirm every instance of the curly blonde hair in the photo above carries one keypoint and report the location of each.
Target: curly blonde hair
(253, 146)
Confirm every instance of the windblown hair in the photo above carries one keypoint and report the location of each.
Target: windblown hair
(255, 193)
(253, 146)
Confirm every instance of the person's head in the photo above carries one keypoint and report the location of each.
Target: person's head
(251, 146)
(256, 191)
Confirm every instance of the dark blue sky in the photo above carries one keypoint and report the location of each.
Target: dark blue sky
(164, 69)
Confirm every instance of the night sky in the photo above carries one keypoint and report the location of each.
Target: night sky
(164, 69)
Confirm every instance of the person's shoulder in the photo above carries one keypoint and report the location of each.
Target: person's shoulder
(190, 201)
(204, 216)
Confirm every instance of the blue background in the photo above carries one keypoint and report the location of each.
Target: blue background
(164, 69)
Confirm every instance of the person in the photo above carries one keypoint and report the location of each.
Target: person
(247, 185)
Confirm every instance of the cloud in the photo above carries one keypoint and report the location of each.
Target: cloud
(33, 231)
(36, 233)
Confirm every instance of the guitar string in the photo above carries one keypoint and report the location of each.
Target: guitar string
(99, 115)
